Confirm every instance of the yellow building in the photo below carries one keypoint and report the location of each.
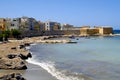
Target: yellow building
(89, 31)
(105, 30)
(2, 24)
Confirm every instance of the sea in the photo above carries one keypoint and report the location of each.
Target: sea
(91, 58)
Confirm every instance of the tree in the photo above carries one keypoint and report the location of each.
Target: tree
(4, 35)
(7, 33)
(15, 33)
(1, 37)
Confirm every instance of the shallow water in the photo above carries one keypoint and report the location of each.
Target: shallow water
(92, 58)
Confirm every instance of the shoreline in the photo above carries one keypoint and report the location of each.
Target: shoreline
(13, 57)
(5, 49)
(37, 73)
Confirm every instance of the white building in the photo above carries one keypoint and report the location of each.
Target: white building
(50, 26)
(15, 23)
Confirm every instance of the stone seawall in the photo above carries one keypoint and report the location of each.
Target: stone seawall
(49, 33)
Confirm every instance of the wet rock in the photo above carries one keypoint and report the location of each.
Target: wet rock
(24, 57)
(12, 76)
(29, 55)
(21, 46)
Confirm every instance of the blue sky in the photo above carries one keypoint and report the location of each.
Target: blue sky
(75, 12)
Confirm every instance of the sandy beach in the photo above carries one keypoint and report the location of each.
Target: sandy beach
(5, 49)
(32, 73)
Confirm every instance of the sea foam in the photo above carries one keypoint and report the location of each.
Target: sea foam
(60, 75)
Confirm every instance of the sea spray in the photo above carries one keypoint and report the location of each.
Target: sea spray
(60, 75)
(29, 47)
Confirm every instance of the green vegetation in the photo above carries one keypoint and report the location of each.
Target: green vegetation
(15, 33)
(4, 35)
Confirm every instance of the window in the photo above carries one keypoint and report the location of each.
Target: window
(14, 20)
(12, 25)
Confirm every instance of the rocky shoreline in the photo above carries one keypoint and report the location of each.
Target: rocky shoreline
(13, 56)
(12, 76)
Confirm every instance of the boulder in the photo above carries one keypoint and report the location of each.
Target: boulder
(12, 76)
(24, 57)
(29, 55)
(27, 44)
(15, 63)
(21, 46)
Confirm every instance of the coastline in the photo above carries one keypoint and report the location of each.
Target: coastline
(33, 72)
(6, 49)
(13, 57)
(12, 48)
(37, 72)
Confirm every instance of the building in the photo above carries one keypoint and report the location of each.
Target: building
(31, 22)
(89, 31)
(8, 23)
(85, 27)
(37, 26)
(67, 27)
(51, 26)
(2, 24)
(70, 29)
(101, 30)
(28, 23)
(15, 23)
(42, 26)
(104, 30)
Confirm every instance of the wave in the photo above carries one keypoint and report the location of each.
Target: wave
(29, 47)
(60, 75)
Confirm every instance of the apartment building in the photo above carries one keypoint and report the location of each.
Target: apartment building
(2, 24)
(51, 26)
(15, 23)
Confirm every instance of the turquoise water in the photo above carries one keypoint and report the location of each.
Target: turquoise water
(93, 58)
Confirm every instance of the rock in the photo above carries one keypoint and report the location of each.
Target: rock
(21, 46)
(24, 45)
(14, 48)
(27, 44)
(11, 56)
(24, 57)
(12, 76)
(15, 63)
(29, 55)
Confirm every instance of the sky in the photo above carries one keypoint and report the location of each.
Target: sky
(74, 12)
